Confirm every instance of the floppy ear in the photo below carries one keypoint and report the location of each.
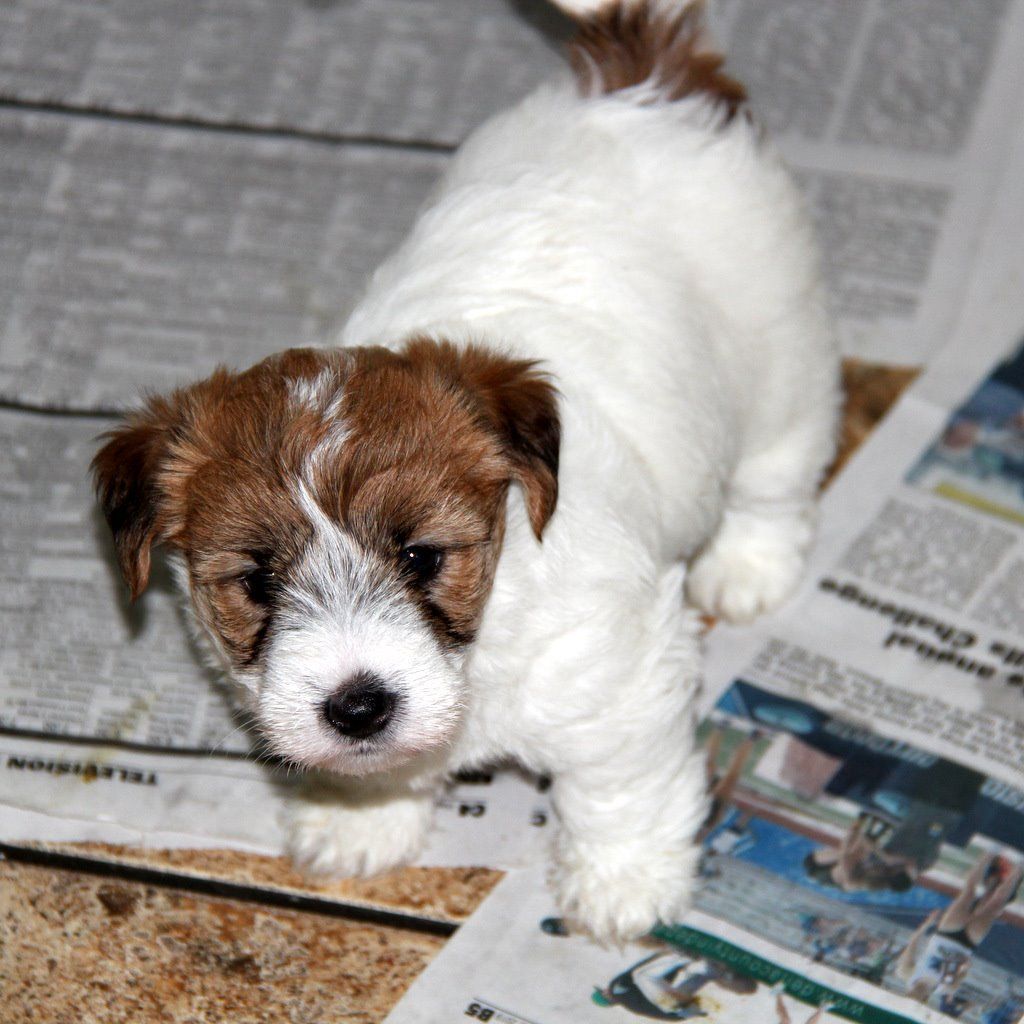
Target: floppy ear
(521, 404)
(124, 473)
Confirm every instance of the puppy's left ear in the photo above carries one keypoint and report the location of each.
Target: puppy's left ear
(522, 406)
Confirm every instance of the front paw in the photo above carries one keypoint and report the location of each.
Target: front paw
(330, 838)
(620, 892)
(749, 569)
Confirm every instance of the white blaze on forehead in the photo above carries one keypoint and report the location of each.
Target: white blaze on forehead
(327, 448)
(325, 529)
(334, 575)
(322, 395)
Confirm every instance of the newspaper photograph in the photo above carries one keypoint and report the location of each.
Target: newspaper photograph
(979, 458)
(884, 882)
(872, 856)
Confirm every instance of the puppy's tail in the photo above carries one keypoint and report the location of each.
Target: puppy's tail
(659, 50)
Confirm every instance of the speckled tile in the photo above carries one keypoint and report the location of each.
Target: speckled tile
(76, 949)
(871, 390)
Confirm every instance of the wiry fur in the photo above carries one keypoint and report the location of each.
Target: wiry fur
(617, 236)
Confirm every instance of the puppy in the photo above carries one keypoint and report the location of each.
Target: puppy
(462, 534)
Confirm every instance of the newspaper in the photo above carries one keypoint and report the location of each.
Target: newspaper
(138, 256)
(894, 114)
(141, 252)
(864, 855)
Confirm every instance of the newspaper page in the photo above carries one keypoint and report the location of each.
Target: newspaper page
(863, 856)
(141, 252)
(894, 113)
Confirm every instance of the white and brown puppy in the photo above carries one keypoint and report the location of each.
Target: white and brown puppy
(460, 535)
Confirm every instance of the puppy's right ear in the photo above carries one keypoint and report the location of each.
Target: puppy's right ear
(125, 473)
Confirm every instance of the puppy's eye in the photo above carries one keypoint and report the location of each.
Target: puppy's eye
(259, 585)
(421, 562)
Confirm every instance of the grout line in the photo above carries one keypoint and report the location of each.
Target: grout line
(130, 745)
(225, 127)
(206, 886)
(40, 409)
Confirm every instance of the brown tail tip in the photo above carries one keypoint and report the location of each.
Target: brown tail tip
(664, 46)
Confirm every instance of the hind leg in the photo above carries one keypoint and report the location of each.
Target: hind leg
(755, 559)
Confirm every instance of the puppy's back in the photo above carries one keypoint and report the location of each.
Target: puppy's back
(603, 172)
(629, 225)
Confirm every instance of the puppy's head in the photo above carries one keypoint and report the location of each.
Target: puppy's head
(335, 518)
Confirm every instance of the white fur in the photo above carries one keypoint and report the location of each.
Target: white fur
(387, 816)
(658, 262)
(336, 618)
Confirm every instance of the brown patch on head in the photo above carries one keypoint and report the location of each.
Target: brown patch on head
(410, 453)
(435, 436)
(633, 42)
(207, 471)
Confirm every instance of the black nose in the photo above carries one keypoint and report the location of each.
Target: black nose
(361, 708)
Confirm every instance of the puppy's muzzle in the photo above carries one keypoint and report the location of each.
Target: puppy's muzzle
(362, 708)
